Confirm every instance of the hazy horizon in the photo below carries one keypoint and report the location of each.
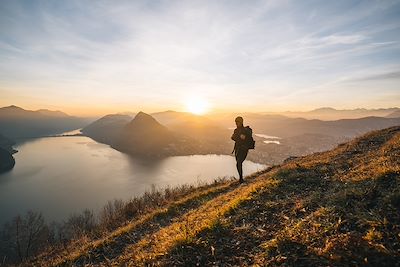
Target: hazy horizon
(199, 56)
(210, 113)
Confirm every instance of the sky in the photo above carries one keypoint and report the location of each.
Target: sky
(98, 57)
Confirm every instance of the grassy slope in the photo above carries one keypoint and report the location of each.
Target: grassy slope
(340, 207)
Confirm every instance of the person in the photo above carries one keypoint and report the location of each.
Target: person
(240, 135)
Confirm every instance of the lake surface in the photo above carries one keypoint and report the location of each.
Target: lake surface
(270, 139)
(63, 175)
(266, 136)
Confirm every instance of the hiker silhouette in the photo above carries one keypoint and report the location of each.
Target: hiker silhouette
(243, 142)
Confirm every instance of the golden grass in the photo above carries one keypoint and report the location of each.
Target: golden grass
(186, 227)
(84, 247)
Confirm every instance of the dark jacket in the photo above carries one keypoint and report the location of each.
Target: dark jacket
(240, 143)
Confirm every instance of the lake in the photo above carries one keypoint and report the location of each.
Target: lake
(268, 139)
(63, 175)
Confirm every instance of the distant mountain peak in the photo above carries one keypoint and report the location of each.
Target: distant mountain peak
(144, 117)
(144, 135)
(13, 107)
(144, 122)
(141, 113)
(56, 113)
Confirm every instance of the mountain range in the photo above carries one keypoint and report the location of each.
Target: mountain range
(179, 134)
(171, 133)
(395, 114)
(328, 113)
(16, 122)
(282, 126)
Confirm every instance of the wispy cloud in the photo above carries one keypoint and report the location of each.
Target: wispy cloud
(391, 75)
(336, 39)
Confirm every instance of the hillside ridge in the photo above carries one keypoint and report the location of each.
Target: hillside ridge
(339, 207)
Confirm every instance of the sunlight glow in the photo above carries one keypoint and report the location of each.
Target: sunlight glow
(197, 105)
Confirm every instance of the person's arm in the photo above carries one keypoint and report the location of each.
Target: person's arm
(235, 137)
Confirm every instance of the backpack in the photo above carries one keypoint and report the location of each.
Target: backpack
(250, 140)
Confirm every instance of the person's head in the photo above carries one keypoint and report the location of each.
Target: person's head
(239, 121)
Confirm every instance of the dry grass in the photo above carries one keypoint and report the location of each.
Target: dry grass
(184, 230)
(337, 208)
(157, 212)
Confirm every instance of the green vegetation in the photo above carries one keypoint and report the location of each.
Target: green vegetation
(336, 208)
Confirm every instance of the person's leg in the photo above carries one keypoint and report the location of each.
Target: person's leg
(239, 168)
(240, 157)
(238, 164)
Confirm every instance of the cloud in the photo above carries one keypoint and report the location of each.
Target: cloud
(343, 39)
(392, 75)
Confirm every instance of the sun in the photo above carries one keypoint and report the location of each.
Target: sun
(197, 105)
